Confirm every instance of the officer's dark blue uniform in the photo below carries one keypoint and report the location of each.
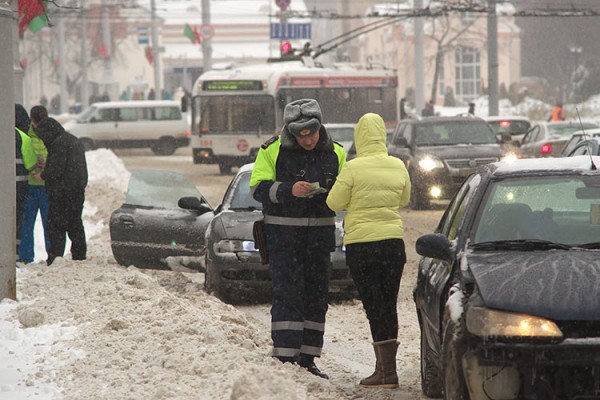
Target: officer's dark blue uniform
(300, 231)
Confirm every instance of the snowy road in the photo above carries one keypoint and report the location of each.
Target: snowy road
(348, 354)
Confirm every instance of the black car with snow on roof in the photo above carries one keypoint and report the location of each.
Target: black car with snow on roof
(162, 223)
(508, 287)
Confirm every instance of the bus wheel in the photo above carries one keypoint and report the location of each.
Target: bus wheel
(87, 144)
(225, 169)
(164, 147)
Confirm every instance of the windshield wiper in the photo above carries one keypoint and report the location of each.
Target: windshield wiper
(520, 244)
(592, 245)
(249, 208)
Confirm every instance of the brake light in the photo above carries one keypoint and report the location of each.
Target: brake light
(504, 124)
(546, 148)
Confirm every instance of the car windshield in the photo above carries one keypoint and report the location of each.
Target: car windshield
(559, 209)
(508, 126)
(568, 129)
(338, 134)
(86, 114)
(241, 197)
(154, 188)
(454, 133)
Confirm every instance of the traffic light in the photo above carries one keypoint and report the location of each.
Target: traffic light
(286, 48)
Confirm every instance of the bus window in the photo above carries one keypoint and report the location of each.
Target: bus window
(237, 114)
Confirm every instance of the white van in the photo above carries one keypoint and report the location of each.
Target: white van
(158, 124)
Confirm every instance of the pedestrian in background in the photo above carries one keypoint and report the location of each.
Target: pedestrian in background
(372, 187)
(25, 161)
(290, 178)
(558, 113)
(37, 199)
(65, 175)
(428, 110)
(471, 108)
(403, 113)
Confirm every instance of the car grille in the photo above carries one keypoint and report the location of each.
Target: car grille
(469, 163)
(246, 275)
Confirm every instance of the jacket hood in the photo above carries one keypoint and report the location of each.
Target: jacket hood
(560, 285)
(22, 120)
(48, 130)
(370, 136)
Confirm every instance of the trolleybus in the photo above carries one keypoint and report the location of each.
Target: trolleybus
(235, 111)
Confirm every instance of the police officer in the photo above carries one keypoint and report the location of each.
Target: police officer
(25, 161)
(291, 177)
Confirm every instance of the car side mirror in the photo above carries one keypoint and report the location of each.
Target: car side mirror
(193, 203)
(434, 245)
(400, 141)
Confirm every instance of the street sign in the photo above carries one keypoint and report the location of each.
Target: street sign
(283, 4)
(208, 31)
(290, 31)
(142, 32)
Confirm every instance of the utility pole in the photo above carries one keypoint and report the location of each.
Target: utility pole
(8, 244)
(84, 58)
(155, 52)
(62, 66)
(419, 59)
(492, 59)
(206, 44)
(107, 42)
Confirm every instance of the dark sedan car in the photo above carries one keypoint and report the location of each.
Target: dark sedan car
(440, 152)
(547, 139)
(234, 272)
(162, 222)
(508, 288)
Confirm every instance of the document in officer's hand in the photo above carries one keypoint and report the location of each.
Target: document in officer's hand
(316, 189)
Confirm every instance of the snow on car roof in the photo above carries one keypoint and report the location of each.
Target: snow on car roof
(577, 163)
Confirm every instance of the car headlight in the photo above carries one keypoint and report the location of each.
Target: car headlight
(234, 246)
(509, 157)
(429, 163)
(485, 322)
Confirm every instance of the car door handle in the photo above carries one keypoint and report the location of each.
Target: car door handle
(126, 221)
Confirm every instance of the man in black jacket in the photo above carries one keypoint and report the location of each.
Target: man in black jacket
(66, 177)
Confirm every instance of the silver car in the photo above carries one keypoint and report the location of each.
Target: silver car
(234, 272)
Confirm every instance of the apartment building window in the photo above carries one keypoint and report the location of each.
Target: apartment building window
(441, 74)
(467, 73)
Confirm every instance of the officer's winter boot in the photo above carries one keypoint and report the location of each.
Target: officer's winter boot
(308, 362)
(385, 367)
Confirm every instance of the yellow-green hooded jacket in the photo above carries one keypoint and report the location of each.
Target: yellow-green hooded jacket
(371, 187)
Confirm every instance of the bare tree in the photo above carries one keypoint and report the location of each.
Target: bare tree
(449, 33)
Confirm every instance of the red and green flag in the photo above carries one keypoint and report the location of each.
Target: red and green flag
(149, 55)
(32, 15)
(192, 34)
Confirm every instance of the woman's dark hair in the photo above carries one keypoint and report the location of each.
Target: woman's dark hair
(38, 113)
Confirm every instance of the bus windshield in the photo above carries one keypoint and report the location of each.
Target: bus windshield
(235, 114)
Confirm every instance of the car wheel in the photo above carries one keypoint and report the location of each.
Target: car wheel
(225, 169)
(454, 347)
(164, 147)
(88, 144)
(431, 376)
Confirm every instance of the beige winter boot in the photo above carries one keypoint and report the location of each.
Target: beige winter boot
(385, 367)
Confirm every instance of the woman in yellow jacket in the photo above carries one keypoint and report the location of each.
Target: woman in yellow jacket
(372, 187)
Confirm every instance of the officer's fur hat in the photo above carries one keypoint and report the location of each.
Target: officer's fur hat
(302, 117)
